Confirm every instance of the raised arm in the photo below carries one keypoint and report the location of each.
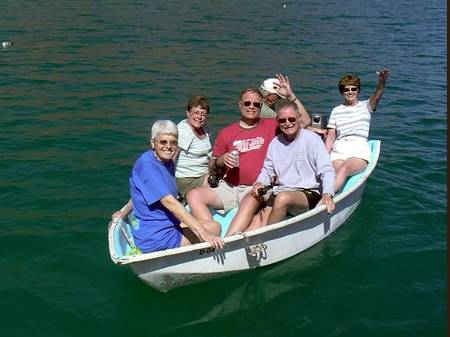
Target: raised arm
(285, 90)
(177, 209)
(383, 76)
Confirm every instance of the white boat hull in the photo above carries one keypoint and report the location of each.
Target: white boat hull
(185, 265)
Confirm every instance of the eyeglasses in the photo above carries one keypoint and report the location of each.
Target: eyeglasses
(198, 113)
(164, 142)
(350, 89)
(289, 119)
(255, 104)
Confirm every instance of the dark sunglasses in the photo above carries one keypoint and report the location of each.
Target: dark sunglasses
(290, 119)
(255, 104)
(165, 142)
(350, 89)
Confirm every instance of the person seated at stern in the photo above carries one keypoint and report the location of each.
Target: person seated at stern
(274, 89)
(299, 166)
(348, 127)
(195, 146)
(162, 221)
(240, 148)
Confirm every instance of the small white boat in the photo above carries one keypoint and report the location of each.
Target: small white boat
(176, 267)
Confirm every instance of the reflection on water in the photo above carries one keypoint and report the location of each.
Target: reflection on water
(223, 298)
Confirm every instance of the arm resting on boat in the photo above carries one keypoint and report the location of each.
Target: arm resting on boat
(124, 211)
(327, 200)
(177, 209)
(319, 131)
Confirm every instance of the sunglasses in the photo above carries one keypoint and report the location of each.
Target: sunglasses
(255, 104)
(350, 89)
(289, 119)
(165, 142)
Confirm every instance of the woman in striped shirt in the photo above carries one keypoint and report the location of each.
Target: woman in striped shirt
(194, 146)
(348, 127)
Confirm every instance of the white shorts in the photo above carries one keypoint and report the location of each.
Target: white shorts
(231, 195)
(350, 147)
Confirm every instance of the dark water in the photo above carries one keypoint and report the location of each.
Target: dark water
(85, 79)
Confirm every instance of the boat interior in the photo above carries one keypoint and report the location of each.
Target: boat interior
(123, 239)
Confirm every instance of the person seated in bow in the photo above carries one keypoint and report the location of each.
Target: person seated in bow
(299, 165)
(162, 222)
(194, 151)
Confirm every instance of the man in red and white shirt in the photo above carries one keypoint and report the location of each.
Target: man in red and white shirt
(250, 136)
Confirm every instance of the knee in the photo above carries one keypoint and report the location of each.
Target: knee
(194, 196)
(342, 170)
(250, 200)
(281, 200)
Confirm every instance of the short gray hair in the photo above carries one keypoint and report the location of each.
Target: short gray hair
(163, 127)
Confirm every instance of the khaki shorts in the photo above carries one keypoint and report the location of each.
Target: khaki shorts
(184, 185)
(350, 147)
(231, 195)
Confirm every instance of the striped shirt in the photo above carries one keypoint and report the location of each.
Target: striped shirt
(351, 120)
(194, 154)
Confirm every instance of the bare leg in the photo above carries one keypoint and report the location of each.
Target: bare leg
(213, 227)
(189, 237)
(200, 199)
(283, 201)
(348, 168)
(337, 163)
(247, 209)
(260, 219)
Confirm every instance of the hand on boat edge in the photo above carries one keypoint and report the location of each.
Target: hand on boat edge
(329, 203)
(217, 242)
(118, 214)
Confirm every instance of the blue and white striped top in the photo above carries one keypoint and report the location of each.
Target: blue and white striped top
(195, 153)
(351, 120)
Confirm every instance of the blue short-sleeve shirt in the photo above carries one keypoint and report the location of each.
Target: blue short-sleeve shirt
(151, 180)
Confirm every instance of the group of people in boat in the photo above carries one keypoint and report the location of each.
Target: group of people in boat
(269, 163)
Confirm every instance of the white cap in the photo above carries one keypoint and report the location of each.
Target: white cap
(270, 85)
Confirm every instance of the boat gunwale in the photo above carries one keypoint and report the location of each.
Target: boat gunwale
(123, 260)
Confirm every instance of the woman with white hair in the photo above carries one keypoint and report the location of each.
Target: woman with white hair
(161, 220)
